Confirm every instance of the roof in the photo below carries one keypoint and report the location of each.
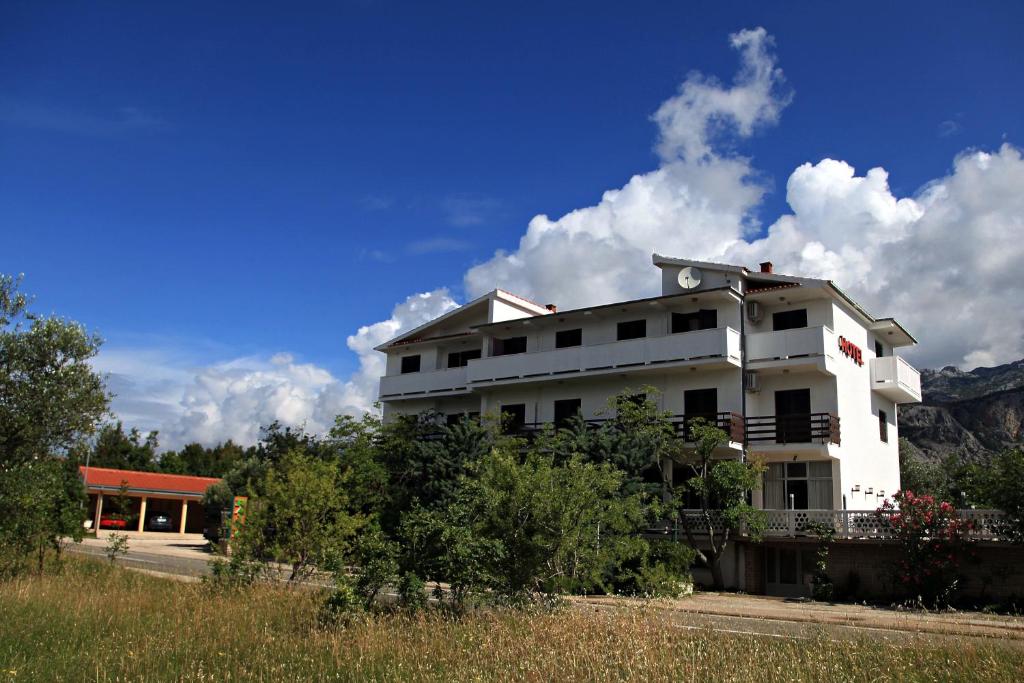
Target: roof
(529, 309)
(155, 482)
(648, 300)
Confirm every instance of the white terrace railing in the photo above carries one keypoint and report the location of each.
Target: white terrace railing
(989, 525)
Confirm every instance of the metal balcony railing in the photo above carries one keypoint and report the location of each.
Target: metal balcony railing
(798, 428)
(730, 423)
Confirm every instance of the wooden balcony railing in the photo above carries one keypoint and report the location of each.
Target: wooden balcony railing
(799, 428)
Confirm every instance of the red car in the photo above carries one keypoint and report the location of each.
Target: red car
(107, 522)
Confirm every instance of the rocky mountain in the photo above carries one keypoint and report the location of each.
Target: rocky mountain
(968, 414)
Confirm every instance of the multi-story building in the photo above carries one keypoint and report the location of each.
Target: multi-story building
(792, 368)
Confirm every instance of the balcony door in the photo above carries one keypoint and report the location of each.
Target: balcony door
(793, 416)
(700, 403)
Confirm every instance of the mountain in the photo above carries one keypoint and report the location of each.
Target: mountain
(970, 414)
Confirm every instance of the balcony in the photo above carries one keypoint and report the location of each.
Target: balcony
(896, 379)
(730, 423)
(720, 345)
(821, 428)
(768, 349)
(419, 384)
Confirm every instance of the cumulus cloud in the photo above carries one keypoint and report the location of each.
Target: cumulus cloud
(233, 399)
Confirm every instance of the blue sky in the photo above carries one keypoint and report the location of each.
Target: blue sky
(221, 184)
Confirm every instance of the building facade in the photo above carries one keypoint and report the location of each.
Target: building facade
(792, 368)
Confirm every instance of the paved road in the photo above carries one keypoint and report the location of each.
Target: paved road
(153, 559)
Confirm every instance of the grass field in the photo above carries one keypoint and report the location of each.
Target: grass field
(92, 622)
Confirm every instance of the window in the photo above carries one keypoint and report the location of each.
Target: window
(879, 350)
(565, 410)
(700, 403)
(789, 320)
(798, 486)
(509, 346)
(459, 359)
(453, 419)
(699, 320)
(410, 364)
(513, 417)
(634, 329)
(566, 338)
(883, 426)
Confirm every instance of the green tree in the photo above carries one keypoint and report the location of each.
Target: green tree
(720, 490)
(117, 449)
(302, 517)
(50, 402)
(999, 486)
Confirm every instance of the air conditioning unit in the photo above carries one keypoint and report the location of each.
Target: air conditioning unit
(754, 311)
(751, 381)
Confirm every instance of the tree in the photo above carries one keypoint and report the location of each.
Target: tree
(521, 526)
(999, 486)
(302, 518)
(50, 402)
(720, 489)
(124, 451)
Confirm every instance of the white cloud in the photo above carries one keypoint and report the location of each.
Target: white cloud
(234, 399)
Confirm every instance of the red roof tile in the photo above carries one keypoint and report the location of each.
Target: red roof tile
(147, 481)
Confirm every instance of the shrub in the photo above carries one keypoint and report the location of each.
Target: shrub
(933, 539)
(412, 595)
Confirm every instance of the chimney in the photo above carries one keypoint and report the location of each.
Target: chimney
(551, 307)
(766, 267)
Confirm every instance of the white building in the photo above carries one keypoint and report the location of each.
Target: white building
(794, 369)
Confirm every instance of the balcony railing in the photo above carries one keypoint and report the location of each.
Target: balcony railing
(417, 383)
(796, 343)
(721, 342)
(988, 525)
(730, 423)
(896, 379)
(790, 429)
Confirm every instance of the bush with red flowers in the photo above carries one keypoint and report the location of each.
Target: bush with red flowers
(934, 540)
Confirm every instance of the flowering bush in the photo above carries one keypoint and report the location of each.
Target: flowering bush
(934, 540)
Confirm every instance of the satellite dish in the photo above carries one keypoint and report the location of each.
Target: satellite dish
(689, 277)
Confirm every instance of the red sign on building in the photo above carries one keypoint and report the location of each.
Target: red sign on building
(851, 350)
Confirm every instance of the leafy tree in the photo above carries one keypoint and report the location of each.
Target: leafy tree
(720, 489)
(302, 517)
(124, 451)
(522, 526)
(199, 461)
(50, 402)
(999, 486)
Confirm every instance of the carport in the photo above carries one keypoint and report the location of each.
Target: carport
(147, 493)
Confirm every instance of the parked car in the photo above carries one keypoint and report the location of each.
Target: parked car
(158, 521)
(111, 522)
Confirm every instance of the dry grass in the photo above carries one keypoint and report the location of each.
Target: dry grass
(95, 622)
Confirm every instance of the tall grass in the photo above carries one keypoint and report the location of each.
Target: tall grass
(97, 622)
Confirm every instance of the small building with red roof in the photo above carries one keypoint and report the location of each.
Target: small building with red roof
(145, 502)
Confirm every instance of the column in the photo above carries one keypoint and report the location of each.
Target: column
(99, 512)
(184, 515)
(142, 514)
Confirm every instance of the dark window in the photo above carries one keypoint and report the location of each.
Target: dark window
(789, 320)
(565, 410)
(459, 359)
(698, 320)
(566, 338)
(513, 416)
(883, 426)
(700, 403)
(410, 364)
(509, 346)
(879, 351)
(453, 419)
(793, 416)
(634, 329)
